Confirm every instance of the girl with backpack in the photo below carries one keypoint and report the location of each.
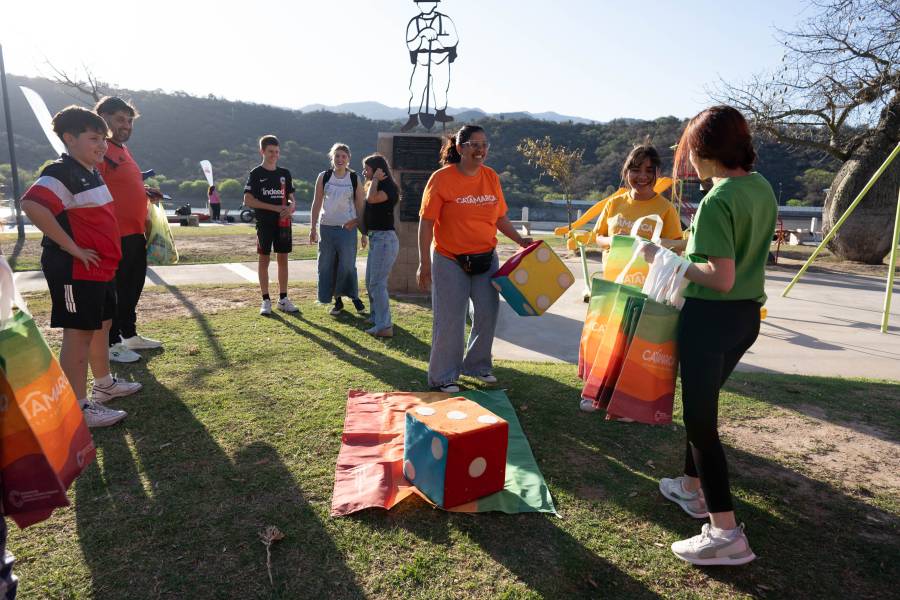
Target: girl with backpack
(333, 225)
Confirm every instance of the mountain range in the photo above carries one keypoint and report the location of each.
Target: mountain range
(379, 111)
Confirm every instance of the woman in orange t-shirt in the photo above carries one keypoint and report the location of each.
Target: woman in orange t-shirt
(462, 210)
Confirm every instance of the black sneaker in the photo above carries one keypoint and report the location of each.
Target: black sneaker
(359, 306)
(337, 308)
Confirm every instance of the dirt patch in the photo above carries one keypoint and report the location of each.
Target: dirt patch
(852, 456)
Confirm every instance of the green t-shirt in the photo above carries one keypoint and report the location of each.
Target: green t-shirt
(735, 220)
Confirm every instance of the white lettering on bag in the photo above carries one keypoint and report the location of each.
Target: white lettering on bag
(636, 279)
(658, 358)
(38, 402)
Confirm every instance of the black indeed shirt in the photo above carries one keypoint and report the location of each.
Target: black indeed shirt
(380, 217)
(269, 187)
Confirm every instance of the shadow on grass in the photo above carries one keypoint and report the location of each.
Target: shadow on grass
(167, 514)
(813, 539)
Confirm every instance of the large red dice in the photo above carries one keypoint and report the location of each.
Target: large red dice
(455, 451)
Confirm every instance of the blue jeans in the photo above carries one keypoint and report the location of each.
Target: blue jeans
(383, 249)
(451, 290)
(337, 263)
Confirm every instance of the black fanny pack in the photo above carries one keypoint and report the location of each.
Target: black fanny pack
(475, 264)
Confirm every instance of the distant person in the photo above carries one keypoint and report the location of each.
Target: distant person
(73, 208)
(639, 173)
(384, 245)
(269, 191)
(126, 184)
(333, 225)
(214, 203)
(462, 210)
(729, 244)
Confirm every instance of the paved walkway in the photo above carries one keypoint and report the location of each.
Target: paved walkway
(829, 325)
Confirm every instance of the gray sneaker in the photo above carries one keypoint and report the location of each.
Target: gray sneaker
(707, 549)
(97, 415)
(693, 503)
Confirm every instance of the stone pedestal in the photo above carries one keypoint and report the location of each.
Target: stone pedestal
(413, 158)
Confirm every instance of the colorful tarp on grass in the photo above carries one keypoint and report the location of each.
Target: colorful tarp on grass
(369, 469)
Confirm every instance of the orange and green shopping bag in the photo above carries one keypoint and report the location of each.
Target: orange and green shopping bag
(602, 292)
(624, 262)
(645, 388)
(44, 441)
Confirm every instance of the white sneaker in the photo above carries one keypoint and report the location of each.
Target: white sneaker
(287, 306)
(266, 307)
(119, 353)
(587, 405)
(732, 548)
(139, 342)
(117, 389)
(488, 378)
(97, 415)
(693, 503)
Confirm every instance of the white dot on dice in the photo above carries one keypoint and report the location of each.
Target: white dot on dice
(477, 467)
(543, 254)
(437, 450)
(487, 419)
(543, 302)
(564, 280)
(410, 471)
(456, 415)
(521, 276)
(425, 411)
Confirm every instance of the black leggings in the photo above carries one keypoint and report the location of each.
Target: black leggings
(214, 209)
(712, 338)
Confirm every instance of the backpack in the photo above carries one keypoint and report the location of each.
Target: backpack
(354, 181)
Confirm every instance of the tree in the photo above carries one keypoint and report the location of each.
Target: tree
(838, 90)
(230, 189)
(560, 163)
(815, 182)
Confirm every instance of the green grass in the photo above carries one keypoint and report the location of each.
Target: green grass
(239, 425)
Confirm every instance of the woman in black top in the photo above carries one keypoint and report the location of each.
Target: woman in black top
(378, 217)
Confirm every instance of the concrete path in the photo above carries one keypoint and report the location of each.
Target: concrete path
(829, 325)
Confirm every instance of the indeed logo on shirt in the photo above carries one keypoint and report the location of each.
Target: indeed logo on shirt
(274, 192)
(483, 199)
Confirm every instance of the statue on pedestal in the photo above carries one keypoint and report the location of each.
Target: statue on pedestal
(432, 41)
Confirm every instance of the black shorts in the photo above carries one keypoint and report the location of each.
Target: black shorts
(270, 236)
(80, 304)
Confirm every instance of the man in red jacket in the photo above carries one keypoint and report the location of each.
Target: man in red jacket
(124, 180)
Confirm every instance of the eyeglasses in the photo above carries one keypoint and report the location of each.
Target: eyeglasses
(477, 145)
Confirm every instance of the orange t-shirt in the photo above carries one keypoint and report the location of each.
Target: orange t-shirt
(123, 178)
(465, 210)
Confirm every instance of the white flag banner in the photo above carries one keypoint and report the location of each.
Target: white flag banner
(43, 116)
(206, 166)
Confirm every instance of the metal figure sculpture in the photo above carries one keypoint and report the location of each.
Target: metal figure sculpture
(432, 41)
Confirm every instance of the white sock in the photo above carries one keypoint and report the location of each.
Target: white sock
(104, 381)
(722, 533)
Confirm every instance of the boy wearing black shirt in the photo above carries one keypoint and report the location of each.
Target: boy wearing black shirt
(270, 192)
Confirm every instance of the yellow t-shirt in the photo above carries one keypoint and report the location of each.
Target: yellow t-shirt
(621, 212)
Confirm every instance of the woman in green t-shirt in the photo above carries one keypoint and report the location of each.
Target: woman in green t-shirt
(729, 245)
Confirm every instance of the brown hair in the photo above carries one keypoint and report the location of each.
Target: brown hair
(75, 120)
(110, 105)
(449, 154)
(266, 141)
(636, 158)
(718, 133)
(377, 161)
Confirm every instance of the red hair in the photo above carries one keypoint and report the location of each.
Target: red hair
(718, 133)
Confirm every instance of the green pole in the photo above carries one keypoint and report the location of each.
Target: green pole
(857, 200)
(892, 264)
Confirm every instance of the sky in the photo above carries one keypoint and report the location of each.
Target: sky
(594, 59)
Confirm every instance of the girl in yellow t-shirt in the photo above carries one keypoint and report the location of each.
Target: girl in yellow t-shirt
(639, 173)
